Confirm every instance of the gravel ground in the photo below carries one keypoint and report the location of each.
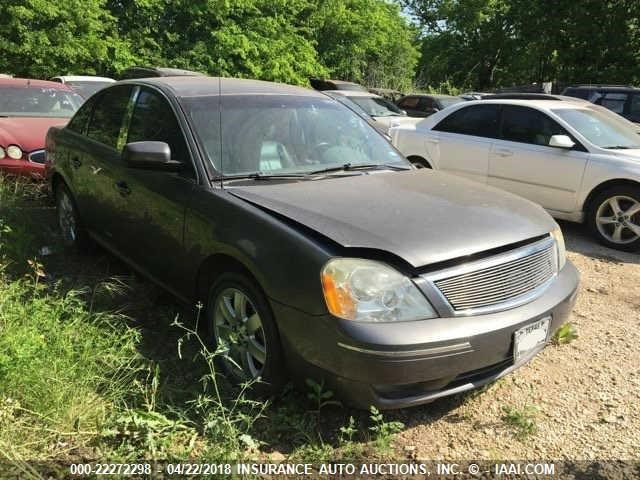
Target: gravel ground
(587, 392)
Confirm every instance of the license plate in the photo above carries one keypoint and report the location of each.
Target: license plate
(530, 337)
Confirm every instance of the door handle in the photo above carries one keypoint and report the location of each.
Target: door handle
(504, 153)
(434, 141)
(75, 161)
(123, 188)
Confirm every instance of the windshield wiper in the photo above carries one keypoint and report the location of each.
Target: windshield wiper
(350, 167)
(261, 176)
(621, 147)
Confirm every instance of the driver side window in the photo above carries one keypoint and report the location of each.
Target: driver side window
(154, 120)
(526, 125)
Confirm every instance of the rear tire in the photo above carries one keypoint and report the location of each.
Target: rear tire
(240, 322)
(69, 222)
(613, 217)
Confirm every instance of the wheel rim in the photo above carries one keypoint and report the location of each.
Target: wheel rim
(66, 218)
(239, 331)
(618, 219)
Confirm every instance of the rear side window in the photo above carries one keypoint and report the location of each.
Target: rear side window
(108, 115)
(613, 101)
(426, 103)
(154, 120)
(634, 107)
(577, 92)
(476, 120)
(526, 125)
(79, 121)
(409, 102)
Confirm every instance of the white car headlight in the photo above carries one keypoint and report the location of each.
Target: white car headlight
(2, 154)
(369, 291)
(556, 234)
(14, 151)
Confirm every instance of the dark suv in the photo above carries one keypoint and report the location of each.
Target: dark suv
(622, 99)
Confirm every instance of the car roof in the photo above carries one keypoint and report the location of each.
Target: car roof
(604, 87)
(84, 78)
(192, 86)
(30, 82)
(354, 93)
(429, 95)
(541, 104)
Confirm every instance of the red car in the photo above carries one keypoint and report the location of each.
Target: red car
(27, 109)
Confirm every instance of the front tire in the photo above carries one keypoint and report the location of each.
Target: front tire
(243, 328)
(614, 217)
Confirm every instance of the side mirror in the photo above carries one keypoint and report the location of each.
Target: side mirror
(149, 155)
(561, 141)
(403, 112)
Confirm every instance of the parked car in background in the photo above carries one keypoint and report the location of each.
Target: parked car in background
(423, 105)
(388, 93)
(621, 99)
(579, 161)
(84, 85)
(310, 239)
(27, 109)
(358, 110)
(326, 84)
(148, 72)
(381, 110)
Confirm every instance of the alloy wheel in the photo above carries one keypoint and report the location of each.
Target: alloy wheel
(67, 218)
(618, 219)
(239, 331)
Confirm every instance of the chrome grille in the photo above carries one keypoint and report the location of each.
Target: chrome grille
(37, 156)
(504, 283)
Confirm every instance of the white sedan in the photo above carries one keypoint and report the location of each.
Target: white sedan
(579, 161)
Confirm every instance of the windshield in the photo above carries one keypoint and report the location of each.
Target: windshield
(601, 127)
(33, 101)
(86, 89)
(377, 107)
(285, 134)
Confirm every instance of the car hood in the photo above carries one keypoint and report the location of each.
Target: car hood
(422, 216)
(27, 132)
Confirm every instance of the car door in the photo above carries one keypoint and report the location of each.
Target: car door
(522, 161)
(101, 161)
(461, 141)
(153, 201)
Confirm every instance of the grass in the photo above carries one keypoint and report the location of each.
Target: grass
(521, 420)
(98, 364)
(567, 333)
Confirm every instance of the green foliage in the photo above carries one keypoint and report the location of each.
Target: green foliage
(43, 38)
(383, 430)
(483, 44)
(319, 396)
(567, 333)
(522, 421)
(365, 41)
(288, 41)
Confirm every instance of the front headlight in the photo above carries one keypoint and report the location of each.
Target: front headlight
(370, 291)
(2, 154)
(556, 234)
(14, 151)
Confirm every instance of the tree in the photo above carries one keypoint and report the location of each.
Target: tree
(41, 38)
(365, 41)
